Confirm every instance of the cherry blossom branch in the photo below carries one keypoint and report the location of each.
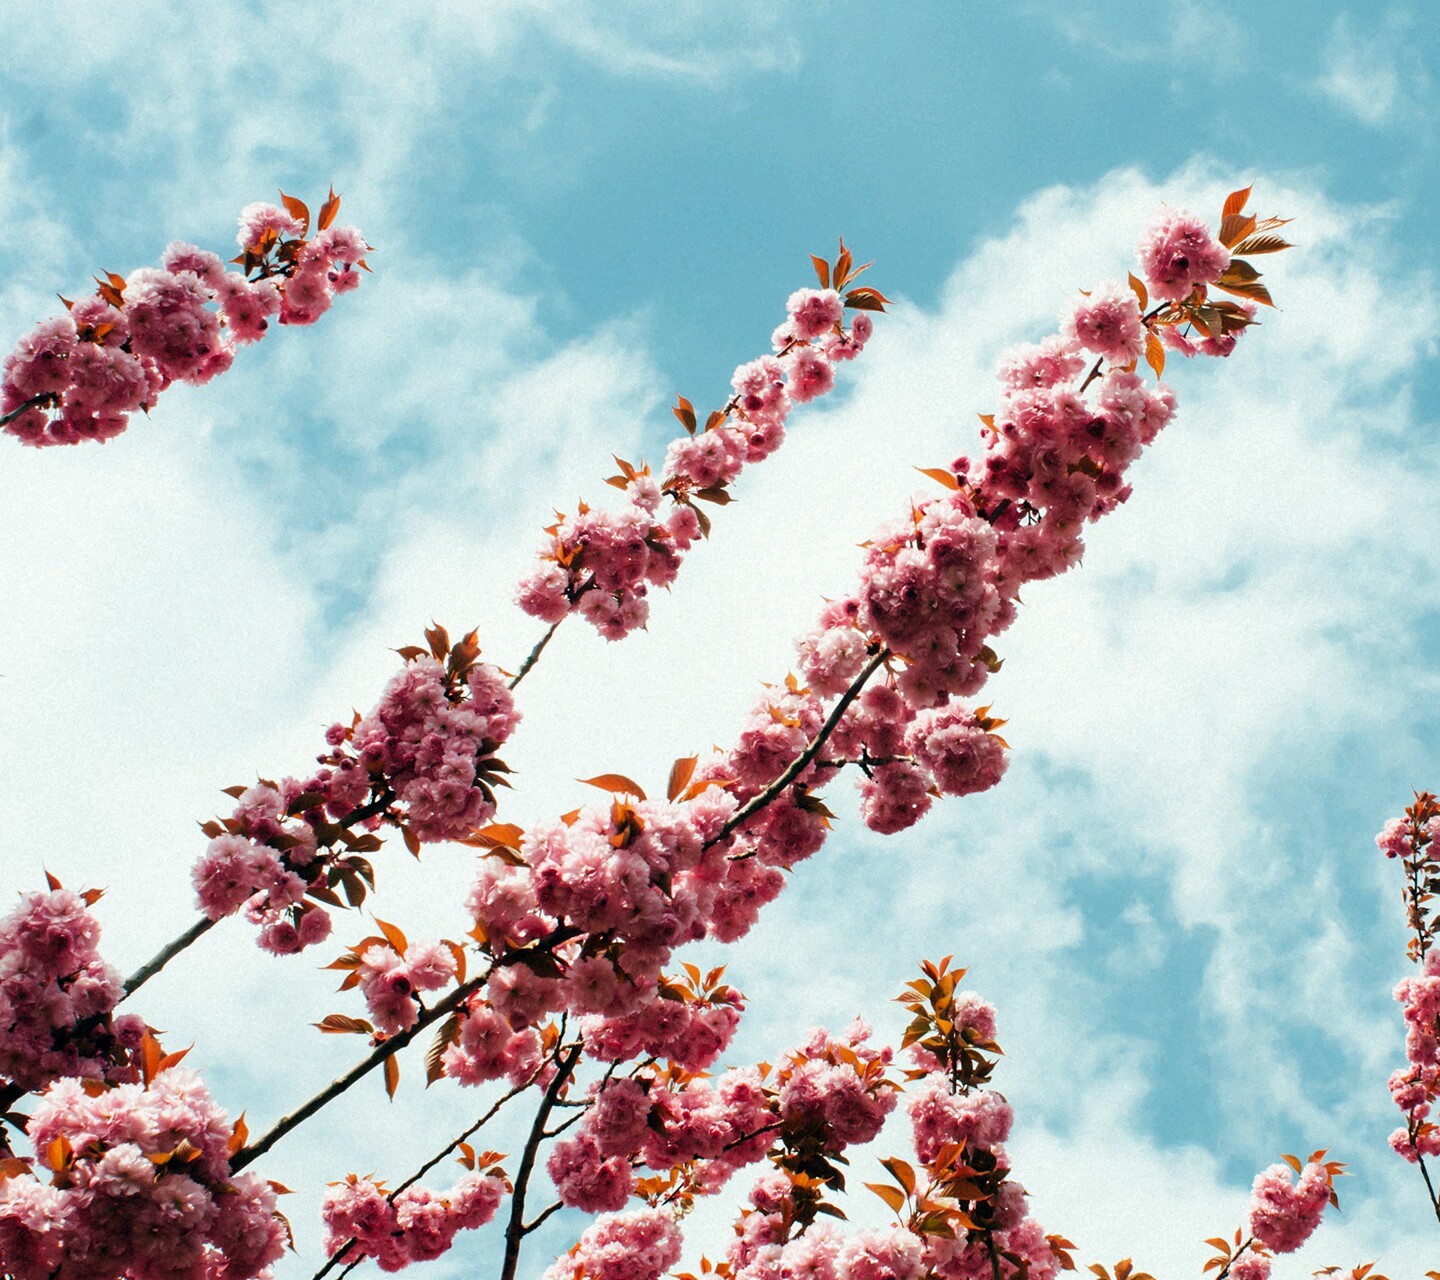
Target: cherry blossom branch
(339, 1255)
(383, 1051)
(801, 762)
(534, 655)
(204, 924)
(515, 1230)
(34, 402)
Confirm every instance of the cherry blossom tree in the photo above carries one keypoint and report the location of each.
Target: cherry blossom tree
(570, 994)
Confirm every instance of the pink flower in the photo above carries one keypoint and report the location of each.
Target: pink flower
(1178, 253)
(814, 312)
(810, 374)
(1282, 1214)
(258, 219)
(1108, 324)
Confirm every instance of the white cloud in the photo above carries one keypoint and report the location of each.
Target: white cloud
(1375, 75)
(1226, 636)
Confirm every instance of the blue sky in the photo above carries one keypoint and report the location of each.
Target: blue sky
(580, 210)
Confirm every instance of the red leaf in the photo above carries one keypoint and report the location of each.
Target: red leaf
(341, 1024)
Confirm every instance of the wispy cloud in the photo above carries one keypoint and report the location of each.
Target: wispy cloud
(1375, 74)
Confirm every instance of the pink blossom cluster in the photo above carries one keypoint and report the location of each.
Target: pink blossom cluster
(601, 564)
(423, 760)
(951, 1121)
(141, 1189)
(1178, 254)
(628, 883)
(417, 1225)
(1283, 1212)
(937, 585)
(642, 1244)
(79, 376)
(426, 739)
(57, 996)
(1415, 1088)
(392, 983)
(826, 1095)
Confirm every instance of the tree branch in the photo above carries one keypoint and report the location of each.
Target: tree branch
(339, 1255)
(35, 402)
(535, 653)
(167, 953)
(802, 761)
(387, 1049)
(515, 1229)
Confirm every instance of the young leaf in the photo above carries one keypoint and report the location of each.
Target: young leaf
(1155, 354)
(393, 936)
(328, 210)
(392, 1075)
(940, 475)
(298, 210)
(680, 774)
(616, 783)
(1141, 293)
(1235, 202)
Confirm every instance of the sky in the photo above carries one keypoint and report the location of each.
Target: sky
(581, 210)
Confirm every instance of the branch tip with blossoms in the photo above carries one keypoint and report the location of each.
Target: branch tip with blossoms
(601, 564)
(80, 376)
(1411, 840)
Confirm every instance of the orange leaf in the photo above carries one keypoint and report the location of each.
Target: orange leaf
(1141, 293)
(1235, 228)
(680, 774)
(822, 269)
(892, 1196)
(239, 1135)
(328, 210)
(392, 1075)
(298, 210)
(685, 411)
(617, 783)
(1235, 202)
(940, 475)
(392, 935)
(1155, 354)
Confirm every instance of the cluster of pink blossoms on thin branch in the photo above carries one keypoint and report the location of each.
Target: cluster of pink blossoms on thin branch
(79, 376)
(1414, 842)
(575, 923)
(600, 563)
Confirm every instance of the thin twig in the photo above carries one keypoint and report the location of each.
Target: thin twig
(543, 946)
(802, 761)
(387, 1049)
(35, 402)
(536, 1223)
(339, 1255)
(515, 1228)
(535, 653)
(203, 926)
(167, 953)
